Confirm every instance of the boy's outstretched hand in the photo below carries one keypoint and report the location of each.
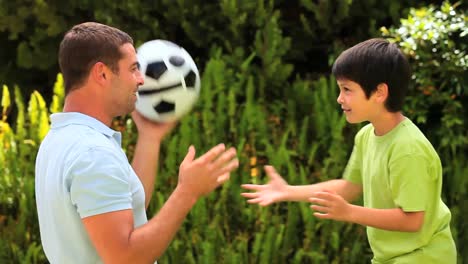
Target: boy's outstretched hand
(274, 191)
(329, 205)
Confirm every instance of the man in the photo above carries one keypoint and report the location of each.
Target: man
(91, 202)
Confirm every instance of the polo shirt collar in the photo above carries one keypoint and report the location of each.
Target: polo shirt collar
(74, 118)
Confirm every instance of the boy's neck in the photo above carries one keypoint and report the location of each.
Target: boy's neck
(387, 122)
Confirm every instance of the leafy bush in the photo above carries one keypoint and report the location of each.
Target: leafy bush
(29, 54)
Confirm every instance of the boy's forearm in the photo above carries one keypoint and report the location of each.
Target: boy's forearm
(349, 191)
(387, 219)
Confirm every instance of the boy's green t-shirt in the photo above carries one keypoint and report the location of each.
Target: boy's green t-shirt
(401, 169)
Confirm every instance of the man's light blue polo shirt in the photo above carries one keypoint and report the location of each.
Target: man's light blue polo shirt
(81, 171)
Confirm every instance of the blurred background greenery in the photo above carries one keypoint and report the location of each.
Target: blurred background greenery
(266, 89)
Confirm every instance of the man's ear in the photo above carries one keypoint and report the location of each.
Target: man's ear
(99, 72)
(381, 93)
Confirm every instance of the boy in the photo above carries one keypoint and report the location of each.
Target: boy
(392, 164)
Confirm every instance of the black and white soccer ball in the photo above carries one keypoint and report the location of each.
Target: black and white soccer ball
(172, 81)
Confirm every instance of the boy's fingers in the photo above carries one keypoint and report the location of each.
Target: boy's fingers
(324, 195)
(319, 201)
(254, 201)
(250, 195)
(271, 172)
(252, 187)
(321, 216)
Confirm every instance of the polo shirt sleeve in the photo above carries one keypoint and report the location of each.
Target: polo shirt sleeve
(410, 182)
(99, 182)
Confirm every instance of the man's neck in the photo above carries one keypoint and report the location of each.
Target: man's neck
(78, 102)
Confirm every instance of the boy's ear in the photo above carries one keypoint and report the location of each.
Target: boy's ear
(381, 93)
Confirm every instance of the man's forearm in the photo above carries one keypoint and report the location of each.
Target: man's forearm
(149, 241)
(145, 164)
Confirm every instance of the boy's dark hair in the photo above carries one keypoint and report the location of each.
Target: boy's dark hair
(84, 45)
(373, 62)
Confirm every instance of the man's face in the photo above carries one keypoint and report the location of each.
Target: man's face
(125, 83)
(354, 103)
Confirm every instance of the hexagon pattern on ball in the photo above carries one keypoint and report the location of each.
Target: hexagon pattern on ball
(172, 81)
(164, 107)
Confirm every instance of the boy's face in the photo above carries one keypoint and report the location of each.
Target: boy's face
(354, 103)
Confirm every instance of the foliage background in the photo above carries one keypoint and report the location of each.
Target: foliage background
(266, 90)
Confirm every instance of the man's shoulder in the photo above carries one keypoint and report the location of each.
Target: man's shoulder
(83, 137)
(72, 142)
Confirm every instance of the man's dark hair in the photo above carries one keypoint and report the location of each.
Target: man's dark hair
(84, 45)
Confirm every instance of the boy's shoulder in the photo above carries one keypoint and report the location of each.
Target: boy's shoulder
(364, 132)
(408, 133)
(406, 138)
(409, 140)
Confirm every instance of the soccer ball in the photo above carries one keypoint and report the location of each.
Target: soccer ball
(172, 81)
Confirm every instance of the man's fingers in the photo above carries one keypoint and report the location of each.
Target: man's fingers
(223, 178)
(225, 157)
(232, 165)
(190, 155)
(212, 153)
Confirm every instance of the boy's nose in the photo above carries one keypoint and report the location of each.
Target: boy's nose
(339, 99)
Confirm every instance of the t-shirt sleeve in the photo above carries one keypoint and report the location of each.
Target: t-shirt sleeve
(353, 170)
(410, 182)
(99, 183)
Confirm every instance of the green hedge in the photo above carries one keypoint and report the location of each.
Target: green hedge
(315, 28)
